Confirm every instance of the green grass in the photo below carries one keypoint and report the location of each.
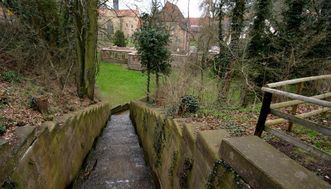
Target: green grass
(119, 85)
(317, 139)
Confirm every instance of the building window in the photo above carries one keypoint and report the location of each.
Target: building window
(109, 27)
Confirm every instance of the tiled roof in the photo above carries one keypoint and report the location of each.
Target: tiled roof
(171, 13)
(127, 13)
(119, 13)
(195, 21)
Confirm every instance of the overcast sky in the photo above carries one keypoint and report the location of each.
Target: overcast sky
(144, 6)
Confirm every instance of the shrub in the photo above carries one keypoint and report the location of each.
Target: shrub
(10, 76)
(119, 39)
(2, 129)
(2, 126)
(188, 104)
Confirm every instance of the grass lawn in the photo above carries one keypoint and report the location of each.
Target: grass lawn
(120, 85)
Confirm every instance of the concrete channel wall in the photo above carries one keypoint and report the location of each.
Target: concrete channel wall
(52, 156)
(182, 158)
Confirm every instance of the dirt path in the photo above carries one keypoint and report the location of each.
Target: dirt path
(117, 160)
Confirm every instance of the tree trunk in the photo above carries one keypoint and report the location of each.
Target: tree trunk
(80, 49)
(91, 46)
(157, 82)
(86, 39)
(148, 83)
(236, 27)
(203, 59)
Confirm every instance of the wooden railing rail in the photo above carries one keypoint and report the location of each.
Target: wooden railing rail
(300, 80)
(297, 99)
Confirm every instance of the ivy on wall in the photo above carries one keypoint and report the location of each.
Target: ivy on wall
(159, 139)
(184, 174)
(222, 169)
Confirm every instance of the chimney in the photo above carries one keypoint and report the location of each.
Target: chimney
(115, 4)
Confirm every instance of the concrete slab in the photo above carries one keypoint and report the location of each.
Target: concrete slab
(209, 142)
(262, 166)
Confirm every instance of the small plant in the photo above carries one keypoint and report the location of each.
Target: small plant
(2, 129)
(188, 104)
(32, 103)
(184, 174)
(119, 39)
(233, 129)
(173, 163)
(10, 76)
(2, 126)
(159, 142)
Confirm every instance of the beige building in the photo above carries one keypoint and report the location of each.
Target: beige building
(173, 19)
(111, 20)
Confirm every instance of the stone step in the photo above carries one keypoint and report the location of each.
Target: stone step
(263, 166)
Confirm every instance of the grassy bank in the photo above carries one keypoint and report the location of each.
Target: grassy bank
(119, 85)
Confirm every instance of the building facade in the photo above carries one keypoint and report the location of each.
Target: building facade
(171, 17)
(112, 20)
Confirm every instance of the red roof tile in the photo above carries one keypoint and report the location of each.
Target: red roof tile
(127, 13)
(120, 13)
(195, 21)
(171, 13)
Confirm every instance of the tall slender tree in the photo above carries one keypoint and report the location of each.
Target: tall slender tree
(237, 25)
(86, 39)
(151, 42)
(260, 46)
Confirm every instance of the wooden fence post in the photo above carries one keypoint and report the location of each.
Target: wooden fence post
(265, 110)
(295, 107)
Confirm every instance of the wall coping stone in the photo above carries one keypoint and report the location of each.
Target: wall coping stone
(262, 166)
(210, 141)
(189, 136)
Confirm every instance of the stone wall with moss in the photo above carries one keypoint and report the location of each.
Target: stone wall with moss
(54, 157)
(183, 158)
(178, 156)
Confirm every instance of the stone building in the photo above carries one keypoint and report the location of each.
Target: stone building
(111, 20)
(171, 17)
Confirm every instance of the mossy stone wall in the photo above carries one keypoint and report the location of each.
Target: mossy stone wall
(182, 158)
(54, 158)
(179, 157)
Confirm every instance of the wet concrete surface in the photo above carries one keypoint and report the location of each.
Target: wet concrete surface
(117, 162)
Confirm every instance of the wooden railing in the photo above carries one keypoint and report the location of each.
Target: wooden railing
(297, 99)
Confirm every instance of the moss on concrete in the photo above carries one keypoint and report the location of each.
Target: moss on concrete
(55, 157)
(263, 166)
(187, 159)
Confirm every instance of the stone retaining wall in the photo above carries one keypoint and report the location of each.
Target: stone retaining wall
(130, 57)
(179, 157)
(115, 55)
(51, 158)
(182, 158)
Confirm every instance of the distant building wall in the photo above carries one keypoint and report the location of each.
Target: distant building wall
(111, 21)
(129, 57)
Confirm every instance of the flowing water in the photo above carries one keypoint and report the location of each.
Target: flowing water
(117, 161)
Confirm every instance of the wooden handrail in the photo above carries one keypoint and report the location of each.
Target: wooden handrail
(300, 80)
(296, 102)
(268, 108)
(298, 97)
(303, 115)
(308, 124)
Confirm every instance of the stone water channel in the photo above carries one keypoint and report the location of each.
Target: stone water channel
(117, 160)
